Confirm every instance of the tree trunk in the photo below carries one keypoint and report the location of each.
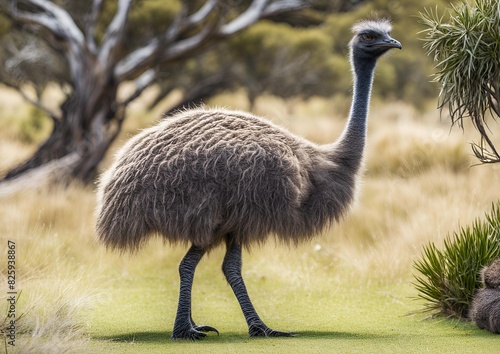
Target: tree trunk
(89, 125)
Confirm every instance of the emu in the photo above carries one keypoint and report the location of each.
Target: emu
(485, 307)
(210, 176)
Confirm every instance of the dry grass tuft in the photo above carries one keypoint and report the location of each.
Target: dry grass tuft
(52, 318)
(407, 150)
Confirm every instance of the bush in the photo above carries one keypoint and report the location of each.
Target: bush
(449, 277)
(465, 43)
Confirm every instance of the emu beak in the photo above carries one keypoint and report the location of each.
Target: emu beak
(389, 43)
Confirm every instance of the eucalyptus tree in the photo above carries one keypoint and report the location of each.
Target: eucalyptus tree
(465, 45)
(90, 48)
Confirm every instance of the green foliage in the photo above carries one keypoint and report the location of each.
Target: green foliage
(32, 128)
(465, 43)
(283, 60)
(449, 277)
(4, 25)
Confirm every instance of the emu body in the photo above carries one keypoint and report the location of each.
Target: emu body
(202, 174)
(212, 176)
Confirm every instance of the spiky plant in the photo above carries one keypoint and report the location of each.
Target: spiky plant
(449, 277)
(465, 43)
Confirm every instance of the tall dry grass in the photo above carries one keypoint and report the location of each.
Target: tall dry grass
(418, 186)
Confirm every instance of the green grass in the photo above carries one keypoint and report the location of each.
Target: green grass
(137, 315)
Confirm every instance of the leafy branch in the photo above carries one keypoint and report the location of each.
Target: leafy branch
(465, 43)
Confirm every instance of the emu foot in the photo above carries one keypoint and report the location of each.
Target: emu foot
(261, 330)
(192, 332)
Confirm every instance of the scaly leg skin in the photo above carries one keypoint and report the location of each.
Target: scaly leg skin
(232, 270)
(184, 327)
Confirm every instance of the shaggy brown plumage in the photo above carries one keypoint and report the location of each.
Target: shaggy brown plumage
(204, 173)
(485, 307)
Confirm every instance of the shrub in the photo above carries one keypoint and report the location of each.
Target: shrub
(449, 277)
(465, 43)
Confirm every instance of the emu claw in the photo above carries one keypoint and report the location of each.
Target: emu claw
(261, 330)
(192, 333)
(206, 329)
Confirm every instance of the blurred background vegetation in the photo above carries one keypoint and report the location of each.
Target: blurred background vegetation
(289, 58)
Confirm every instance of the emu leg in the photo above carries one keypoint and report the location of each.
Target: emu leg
(232, 270)
(184, 327)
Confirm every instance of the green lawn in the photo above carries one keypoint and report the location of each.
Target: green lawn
(136, 314)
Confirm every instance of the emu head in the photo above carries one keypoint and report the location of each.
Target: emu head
(372, 39)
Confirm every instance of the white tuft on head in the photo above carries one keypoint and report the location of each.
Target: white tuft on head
(382, 25)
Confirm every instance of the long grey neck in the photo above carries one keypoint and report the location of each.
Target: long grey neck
(348, 150)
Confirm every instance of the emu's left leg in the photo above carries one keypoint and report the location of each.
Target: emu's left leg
(184, 327)
(232, 270)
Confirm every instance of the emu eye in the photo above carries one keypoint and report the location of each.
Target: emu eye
(368, 38)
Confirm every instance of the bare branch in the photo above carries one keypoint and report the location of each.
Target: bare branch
(53, 17)
(141, 83)
(277, 7)
(170, 47)
(177, 25)
(202, 14)
(114, 34)
(252, 14)
(38, 104)
(136, 60)
(38, 19)
(91, 25)
(142, 57)
(161, 95)
(183, 46)
(61, 28)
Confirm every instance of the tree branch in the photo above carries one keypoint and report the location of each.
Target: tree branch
(114, 34)
(142, 57)
(259, 9)
(252, 14)
(202, 14)
(136, 60)
(91, 25)
(141, 83)
(62, 27)
(280, 6)
(179, 48)
(38, 104)
(158, 51)
(53, 18)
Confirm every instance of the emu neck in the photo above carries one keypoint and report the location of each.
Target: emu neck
(349, 148)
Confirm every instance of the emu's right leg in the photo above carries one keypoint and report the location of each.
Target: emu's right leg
(184, 327)
(232, 270)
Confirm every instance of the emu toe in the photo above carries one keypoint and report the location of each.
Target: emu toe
(192, 332)
(206, 329)
(261, 330)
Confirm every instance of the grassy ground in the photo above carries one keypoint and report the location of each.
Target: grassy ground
(340, 319)
(348, 291)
